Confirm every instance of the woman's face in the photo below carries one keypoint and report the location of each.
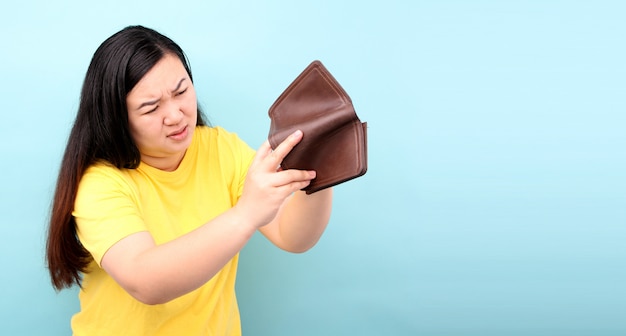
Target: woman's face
(162, 113)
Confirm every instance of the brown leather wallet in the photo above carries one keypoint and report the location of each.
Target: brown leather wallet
(335, 140)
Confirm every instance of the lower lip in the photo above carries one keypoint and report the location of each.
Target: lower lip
(179, 136)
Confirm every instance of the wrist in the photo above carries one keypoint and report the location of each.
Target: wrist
(242, 221)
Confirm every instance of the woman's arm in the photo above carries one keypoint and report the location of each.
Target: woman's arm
(301, 221)
(156, 274)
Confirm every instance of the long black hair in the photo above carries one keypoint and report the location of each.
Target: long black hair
(101, 132)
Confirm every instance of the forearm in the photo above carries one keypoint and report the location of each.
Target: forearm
(302, 220)
(160, 273)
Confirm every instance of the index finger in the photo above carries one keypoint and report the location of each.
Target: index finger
(285, 147)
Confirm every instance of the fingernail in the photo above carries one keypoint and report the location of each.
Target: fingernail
(312, 173)
(297, 133)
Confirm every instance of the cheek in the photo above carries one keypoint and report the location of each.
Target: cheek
(142, 128)
(191, 105)
(134, 128)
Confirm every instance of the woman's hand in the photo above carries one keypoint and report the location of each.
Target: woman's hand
(267, 186)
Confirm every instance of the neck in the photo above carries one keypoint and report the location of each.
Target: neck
(169, 163)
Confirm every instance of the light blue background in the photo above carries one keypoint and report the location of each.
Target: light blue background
(495, 199)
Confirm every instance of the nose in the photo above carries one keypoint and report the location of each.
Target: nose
(173, 114)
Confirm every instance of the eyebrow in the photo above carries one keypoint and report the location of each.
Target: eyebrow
(152, 102)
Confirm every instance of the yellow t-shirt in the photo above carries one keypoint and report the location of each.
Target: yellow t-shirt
(113, 203)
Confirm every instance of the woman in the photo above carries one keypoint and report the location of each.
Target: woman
(152, 206)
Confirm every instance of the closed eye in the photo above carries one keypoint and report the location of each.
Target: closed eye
(154, 109)
(181, 92)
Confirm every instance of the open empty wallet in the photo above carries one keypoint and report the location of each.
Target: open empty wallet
(335, 140)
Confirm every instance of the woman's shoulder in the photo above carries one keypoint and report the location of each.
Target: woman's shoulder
(103, 172)
(103, 167)
(216, 131)
(101, 180)
(217, 135)
(222, 146)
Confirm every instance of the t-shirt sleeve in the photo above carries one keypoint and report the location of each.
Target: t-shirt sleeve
(242, 156)
(246, 155)
(106, 210)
